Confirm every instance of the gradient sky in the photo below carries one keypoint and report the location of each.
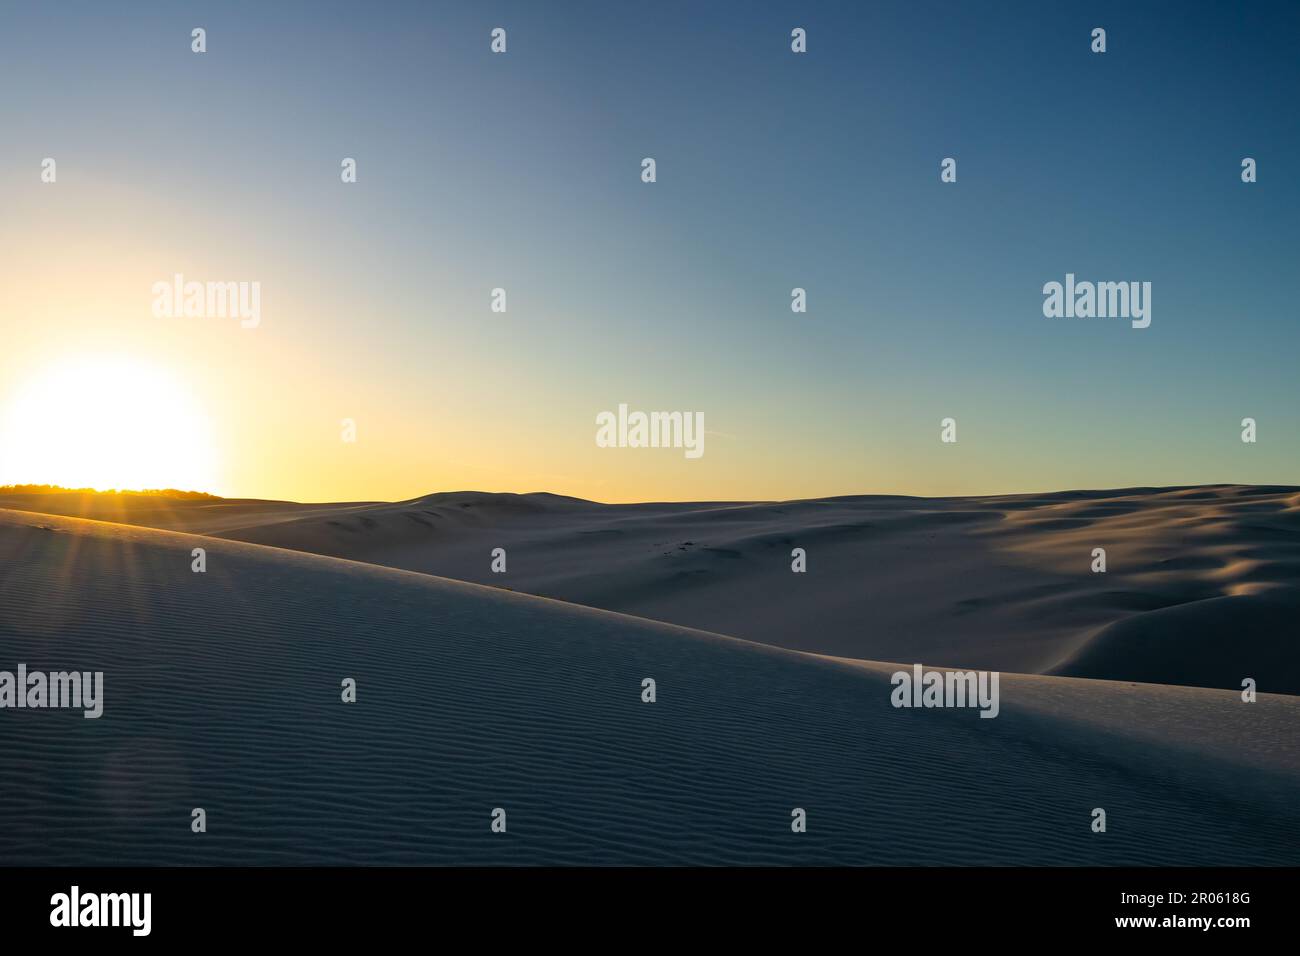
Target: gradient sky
(775, 170)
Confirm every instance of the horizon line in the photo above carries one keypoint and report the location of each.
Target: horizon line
(176, 494)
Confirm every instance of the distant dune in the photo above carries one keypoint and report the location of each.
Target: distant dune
(201, 516)
(222, 691)
(1202, 584)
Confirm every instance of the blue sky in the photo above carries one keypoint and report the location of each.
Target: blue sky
(775, 170)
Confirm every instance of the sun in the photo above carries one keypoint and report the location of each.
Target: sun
(106, 421)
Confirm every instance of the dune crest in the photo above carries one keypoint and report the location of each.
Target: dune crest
(1002, 582)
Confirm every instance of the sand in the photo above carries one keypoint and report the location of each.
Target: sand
(1202, 584)
(222, 691)
(201, 516)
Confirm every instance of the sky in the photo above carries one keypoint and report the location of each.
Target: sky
(522, 171)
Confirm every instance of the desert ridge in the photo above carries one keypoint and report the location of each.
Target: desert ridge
(1128, 584)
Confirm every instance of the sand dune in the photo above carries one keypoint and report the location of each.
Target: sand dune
(201, 516)
(222, 692)
(1200, 586)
